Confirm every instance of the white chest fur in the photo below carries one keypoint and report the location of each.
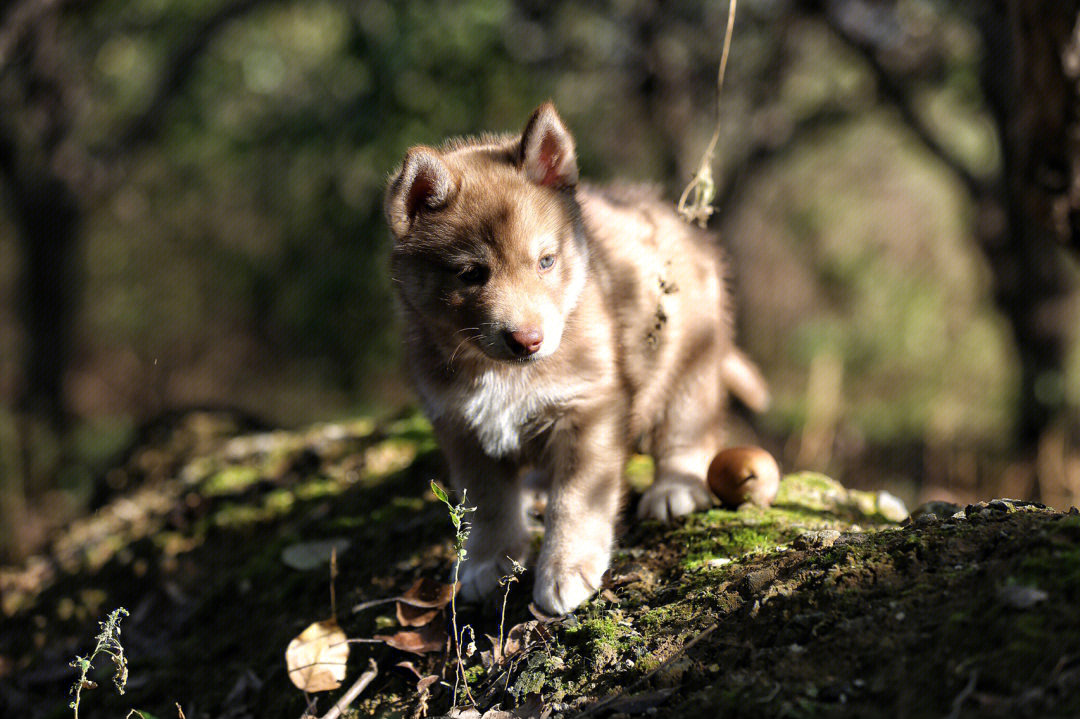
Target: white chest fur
(501, 408)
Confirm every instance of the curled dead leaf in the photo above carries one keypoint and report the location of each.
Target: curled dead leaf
(410, 616)
(316, 658)
(430, 638)
(424, 593)
(521, 635)
(428, 594)
(409, 667)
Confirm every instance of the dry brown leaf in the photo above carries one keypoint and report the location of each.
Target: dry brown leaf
(410, 616)
(426, 683)
(420, 641)
(409, 667)
(316, 657)
(428, 594)
(521, 635)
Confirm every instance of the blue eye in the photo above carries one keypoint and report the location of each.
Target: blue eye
(547, 262)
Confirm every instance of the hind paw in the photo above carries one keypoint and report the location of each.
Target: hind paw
(672, 498)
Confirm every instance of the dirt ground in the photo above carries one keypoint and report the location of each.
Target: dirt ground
(822, 605)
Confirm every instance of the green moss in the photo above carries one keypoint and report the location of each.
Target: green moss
(415, 427)
(667, 616)
(231, 480)
(716, 536)
(533, 678)
(1054, 569)
(317, 487)
(396, 508)
(797, 487)
(474, 673)
(602, 639)
(639, 472)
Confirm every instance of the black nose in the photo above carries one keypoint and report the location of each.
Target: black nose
(524, 341)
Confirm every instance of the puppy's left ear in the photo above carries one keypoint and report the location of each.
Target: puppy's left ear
(547, 150)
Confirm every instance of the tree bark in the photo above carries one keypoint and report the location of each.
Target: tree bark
(1028, 220)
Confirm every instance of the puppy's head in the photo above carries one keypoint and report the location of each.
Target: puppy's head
(489, 249)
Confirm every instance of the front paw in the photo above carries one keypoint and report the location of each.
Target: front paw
(673, 497)
(562, 586)
(483, 567)
(479, 578)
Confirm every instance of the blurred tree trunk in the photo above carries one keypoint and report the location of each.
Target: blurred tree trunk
(1028, 218)
(1031, 217)
(49, 180)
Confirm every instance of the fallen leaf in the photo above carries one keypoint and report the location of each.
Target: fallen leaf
(425, 683)
(424, 593)
(532, 708)
(428, 594)
(316, 657)
(463, 713)
(410, 616)
(311, 555)
(496, 653)
(521, 635)
(1020, 596)
(540, 614)
(410, 667)
(420, 641)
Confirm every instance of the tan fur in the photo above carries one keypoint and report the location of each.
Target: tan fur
(629, 338)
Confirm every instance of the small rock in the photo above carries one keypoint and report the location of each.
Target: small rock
(926, 520)
(1021, 596)
(891, 507)
(816, 540)
(756, 582)
(1000, 505)
(942, 510)
(855, 536)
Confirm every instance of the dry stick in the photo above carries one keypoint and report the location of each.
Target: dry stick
(333, 576)
(959, 699)
(682, 650)
(373, 603)
(702, 186)
(353, 692)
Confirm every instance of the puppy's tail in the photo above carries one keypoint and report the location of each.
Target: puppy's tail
(744, 380)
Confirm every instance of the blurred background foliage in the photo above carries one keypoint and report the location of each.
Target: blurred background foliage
(192, 213)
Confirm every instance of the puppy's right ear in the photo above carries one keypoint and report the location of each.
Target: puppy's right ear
(424, 182)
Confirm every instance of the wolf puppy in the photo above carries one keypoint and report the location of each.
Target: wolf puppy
(550, 328)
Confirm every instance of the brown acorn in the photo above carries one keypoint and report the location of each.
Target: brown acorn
(744, 474)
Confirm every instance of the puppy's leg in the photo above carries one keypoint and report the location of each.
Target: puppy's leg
(498, 533)
(587, 458)
(684, 443)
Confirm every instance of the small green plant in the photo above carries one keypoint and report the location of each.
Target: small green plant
(461, 535)
(108, 643)
(506, 581)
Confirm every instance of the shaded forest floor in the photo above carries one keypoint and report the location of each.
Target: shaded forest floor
(217, 541)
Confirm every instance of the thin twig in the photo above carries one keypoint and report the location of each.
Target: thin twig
(702, 189)
(333, 576)
(958, 702)
(354, 691)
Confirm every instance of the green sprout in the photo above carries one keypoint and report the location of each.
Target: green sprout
(108, 643)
